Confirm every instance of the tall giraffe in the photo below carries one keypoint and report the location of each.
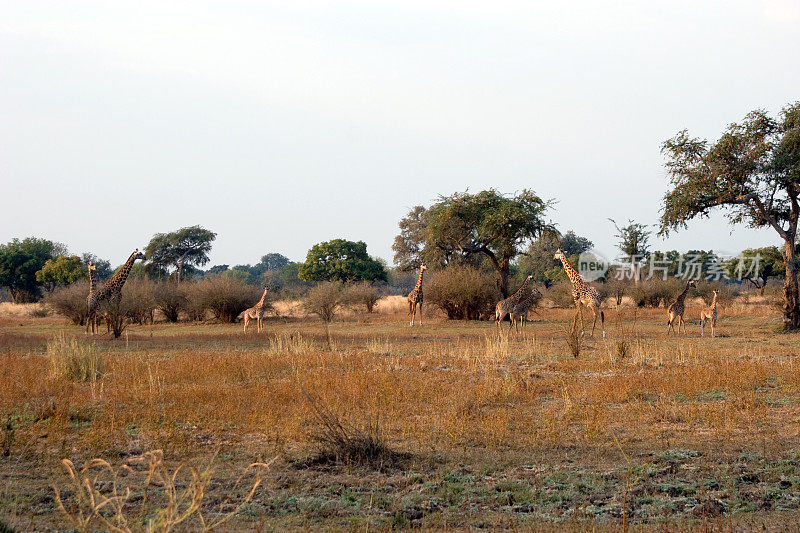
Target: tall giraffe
(709, 313)
(415, 297)
(255, 313)
(91, 318)
(111, 292)
(675, 311)
(582, 293)
(505, 307)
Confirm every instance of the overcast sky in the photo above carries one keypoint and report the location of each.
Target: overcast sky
(280, 125)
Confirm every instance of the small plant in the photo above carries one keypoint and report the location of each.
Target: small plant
(363, 293)
(101, 495)
(463, 292)
(324, 299)
(226, 297)
(342, 443)
(574, 341)
(8, 437)
(70, 359)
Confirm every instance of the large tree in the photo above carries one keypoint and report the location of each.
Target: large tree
(753, 172)
(61, 271)
(487, 225)
(20, 260)
(537, 260)
(341, 260)
(185, 247)
(632, 243)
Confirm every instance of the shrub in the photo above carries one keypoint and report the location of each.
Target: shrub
(561, 294)
(138, 300)
(71, 359)
(463, 292)
(652, 292)
(70, 301)
(170, 298)
(224, 296)
(362, 293)
(616, 289)
(324, 299)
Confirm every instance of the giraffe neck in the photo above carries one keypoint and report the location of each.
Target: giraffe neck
(682, 295)
(116, 283)
(518, 295)
(263, 297)
(572, 274)
(714, 301)
(418, 286)
(92, 281)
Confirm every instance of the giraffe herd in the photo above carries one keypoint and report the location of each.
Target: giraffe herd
(516, 306)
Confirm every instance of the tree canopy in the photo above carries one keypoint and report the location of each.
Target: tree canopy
(185, 247)
(20, 260)
(341, 260)
(60, 271)
(487, 225)
(752, 172)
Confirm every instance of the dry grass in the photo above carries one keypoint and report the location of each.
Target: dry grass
(450, 389)
(12, 310)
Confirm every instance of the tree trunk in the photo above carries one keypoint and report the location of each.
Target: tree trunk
(504, 281)
(791, 305)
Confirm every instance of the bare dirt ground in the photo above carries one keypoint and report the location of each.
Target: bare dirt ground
(475, 429)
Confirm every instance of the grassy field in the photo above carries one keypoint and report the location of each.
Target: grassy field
(375, 425)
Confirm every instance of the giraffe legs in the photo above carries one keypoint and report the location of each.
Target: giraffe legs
(246, 320)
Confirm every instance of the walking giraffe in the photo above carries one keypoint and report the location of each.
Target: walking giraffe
(582, 293)
(256, 313)
(676, 310)
(506, 306)
(111, 293)
(709, 313)
(520, 312)
(415, 297)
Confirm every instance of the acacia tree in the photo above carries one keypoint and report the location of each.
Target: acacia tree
(487, 224)
(182, 248)
(752, 171)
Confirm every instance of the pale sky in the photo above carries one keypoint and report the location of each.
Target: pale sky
(282, 124)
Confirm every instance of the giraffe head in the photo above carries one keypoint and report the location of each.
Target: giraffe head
(423, 267)
(560, 255)
(91, 266)
(138, 255)
(691, 284)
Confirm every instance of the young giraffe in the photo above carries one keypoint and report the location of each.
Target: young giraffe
(675, 311)
(112, 289)
(415, 297)
(256, 313)
(91, 318)
(582, 293)
(709, 313)
(520, 312)
(505, 307)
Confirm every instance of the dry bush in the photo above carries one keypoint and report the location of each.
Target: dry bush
(70, 301)
(100, 496)
(224, 296)
(726, 292)
(463, 292)
(363, 293)
(324, 299)
(71, 359)
(138, 300)
(653, 292)
(170, 298)
(574, 341)
(560, 294)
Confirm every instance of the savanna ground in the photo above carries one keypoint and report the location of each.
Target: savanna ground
(639, 431)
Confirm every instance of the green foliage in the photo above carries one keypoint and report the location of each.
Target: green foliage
(463, 292)
(632, 239)
(341, 260)
(62, 270)
(102, 267)
(272, 261)
(186, 246)
(752, 172)
(469, 226)
(537, 261)
(216, 269)
(20, 260)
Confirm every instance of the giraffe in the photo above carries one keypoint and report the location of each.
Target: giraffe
(675, 311)
(520, 311)
(91, 318)
(709, 313)
(256, 313)
(506, 306)
(112, 289)
(582, 294)
(415, 297)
